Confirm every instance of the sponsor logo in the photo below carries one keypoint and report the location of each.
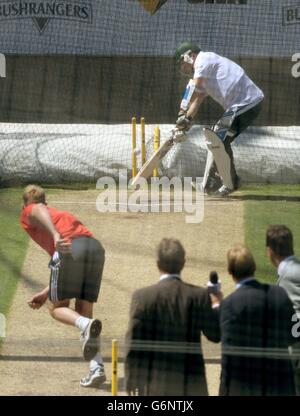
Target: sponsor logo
(41, 12)
(153, 5)
(239, 2)
(291, 15)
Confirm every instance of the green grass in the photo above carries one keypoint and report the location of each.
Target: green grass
(13, 245)
(264, 206)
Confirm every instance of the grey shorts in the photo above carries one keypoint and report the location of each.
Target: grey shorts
(77, 275)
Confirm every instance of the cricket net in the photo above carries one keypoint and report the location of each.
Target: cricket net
(58, 153)
(77, 72)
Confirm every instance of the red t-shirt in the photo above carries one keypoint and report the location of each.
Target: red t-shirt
(67, 225)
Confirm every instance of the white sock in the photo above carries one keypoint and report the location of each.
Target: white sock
(82, 323)
(96, 361)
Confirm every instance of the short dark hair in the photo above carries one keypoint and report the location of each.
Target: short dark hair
(170, 256)
(279, 239)
(240, 262)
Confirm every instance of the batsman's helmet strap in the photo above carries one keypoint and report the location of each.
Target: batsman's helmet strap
(185, 47)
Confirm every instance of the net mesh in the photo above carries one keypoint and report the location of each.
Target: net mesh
(77, 72)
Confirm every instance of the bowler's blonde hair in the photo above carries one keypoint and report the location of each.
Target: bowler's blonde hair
(34, 194)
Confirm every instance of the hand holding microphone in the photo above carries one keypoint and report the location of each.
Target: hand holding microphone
(214, 285)
(214, 289)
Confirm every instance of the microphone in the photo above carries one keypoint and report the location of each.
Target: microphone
(214, 284)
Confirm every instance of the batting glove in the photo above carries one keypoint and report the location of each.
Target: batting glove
(184, 123)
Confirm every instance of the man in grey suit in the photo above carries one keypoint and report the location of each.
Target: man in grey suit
(280, 249)
(164, 354)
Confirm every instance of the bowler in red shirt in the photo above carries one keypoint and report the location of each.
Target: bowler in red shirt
(77, 261)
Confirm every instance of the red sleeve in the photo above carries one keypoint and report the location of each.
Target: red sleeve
(24, 217)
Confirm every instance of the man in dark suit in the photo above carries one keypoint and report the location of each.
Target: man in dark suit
(256, 326)
(280, 249)
(164, 354)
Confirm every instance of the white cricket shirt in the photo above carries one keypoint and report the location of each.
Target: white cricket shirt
(225, 81)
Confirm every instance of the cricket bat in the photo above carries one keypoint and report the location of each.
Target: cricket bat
(147, 169)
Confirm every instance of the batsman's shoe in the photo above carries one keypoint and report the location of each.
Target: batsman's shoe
(210, 188)
(224, 191)
(95, 378)
(90, 339)
(213, 184)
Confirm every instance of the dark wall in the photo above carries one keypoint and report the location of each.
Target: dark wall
(78, 89)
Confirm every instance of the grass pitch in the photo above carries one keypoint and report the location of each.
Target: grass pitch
(263, 205)
(269, 205)
(129, 240)
(13, 245)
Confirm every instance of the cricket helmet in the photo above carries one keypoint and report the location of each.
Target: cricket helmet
(186, 47)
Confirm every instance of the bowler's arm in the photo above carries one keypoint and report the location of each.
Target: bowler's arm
(40, 217)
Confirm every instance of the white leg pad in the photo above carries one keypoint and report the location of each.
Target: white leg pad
(220, 156)
(209, 163)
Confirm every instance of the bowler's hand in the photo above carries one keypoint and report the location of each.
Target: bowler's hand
(38, 300)
(61, 245)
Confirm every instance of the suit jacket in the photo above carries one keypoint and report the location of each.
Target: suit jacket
(289, 280)
(164, 354)
(256, 318)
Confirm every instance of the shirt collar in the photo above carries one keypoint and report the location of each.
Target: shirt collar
(283, 264)
(169, 276)
(244, 281)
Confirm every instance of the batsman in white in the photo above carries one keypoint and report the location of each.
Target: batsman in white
(226, 83)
